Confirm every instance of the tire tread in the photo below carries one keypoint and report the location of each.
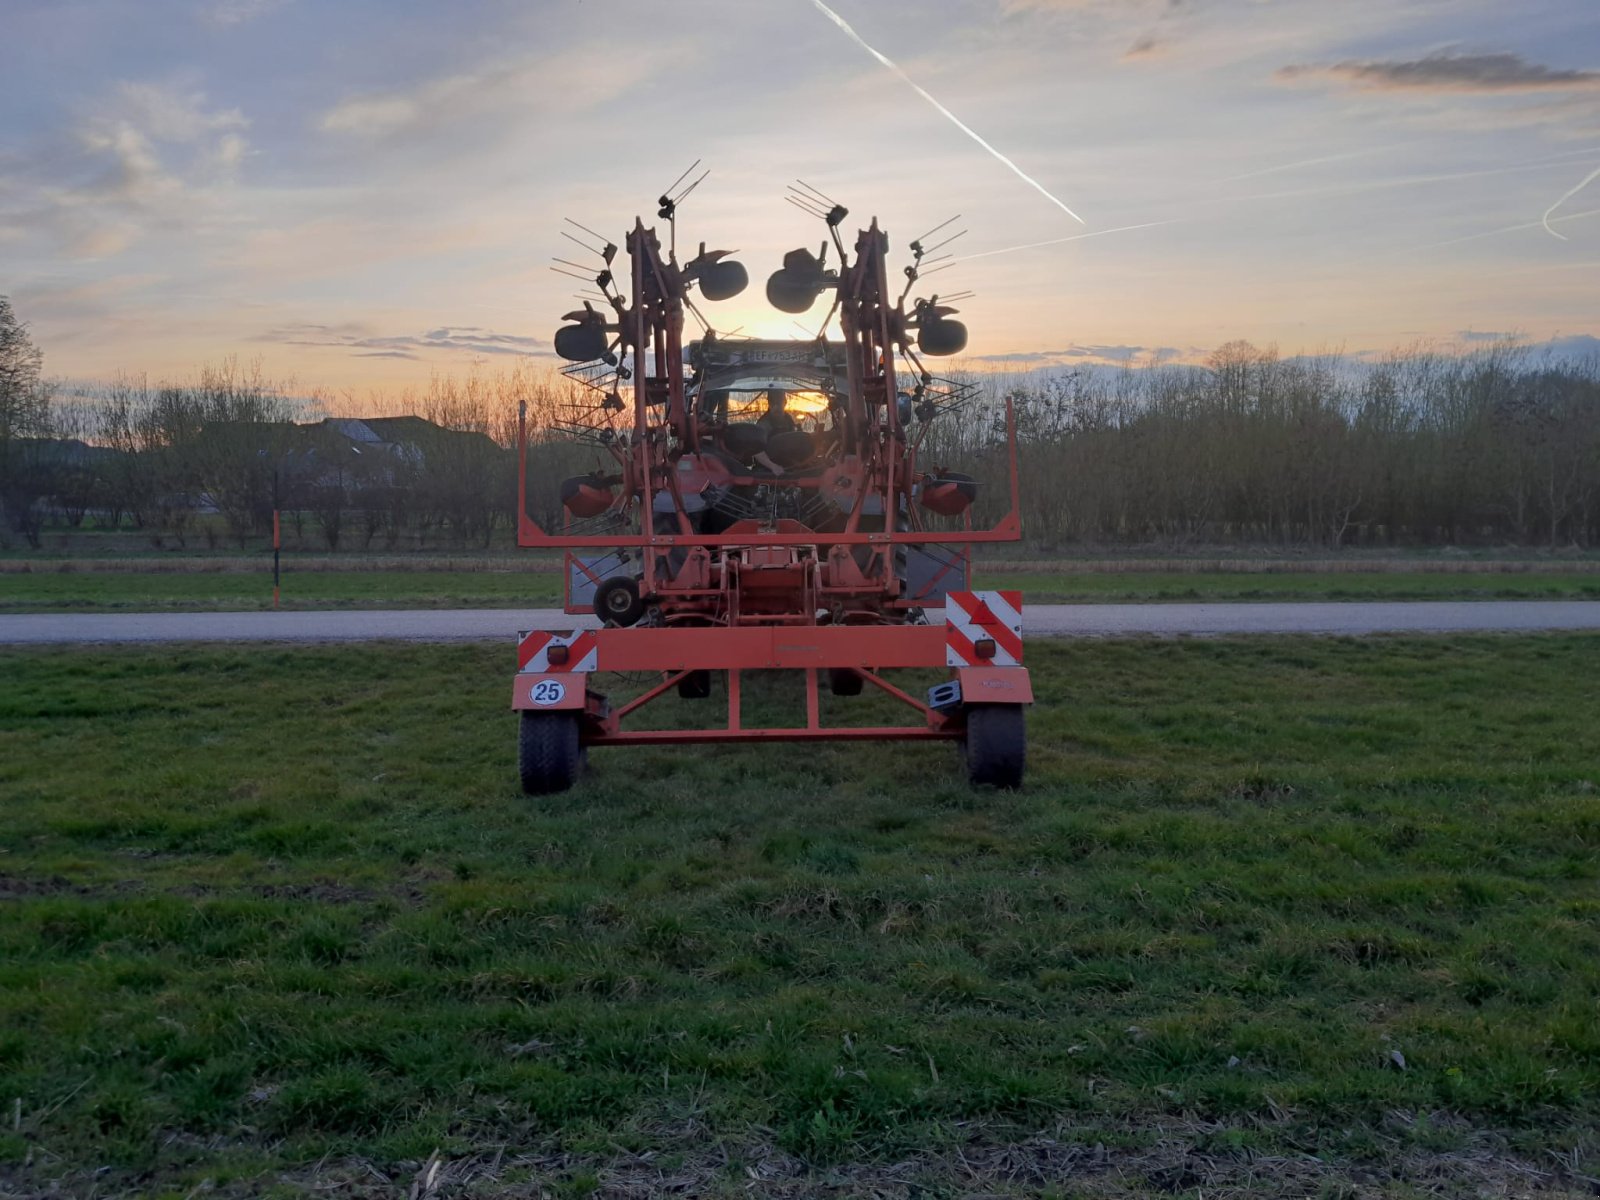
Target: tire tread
(996, 745)
(549, 752)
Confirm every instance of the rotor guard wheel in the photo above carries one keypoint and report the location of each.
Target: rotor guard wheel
(617, 601)
(995, 745)
(696, 685)
(842, 681)
(550, 752)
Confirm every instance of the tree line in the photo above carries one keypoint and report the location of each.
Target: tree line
(1419, 448)
(208, 462)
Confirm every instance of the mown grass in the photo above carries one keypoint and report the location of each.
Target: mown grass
(262, 906)
(104, 591)
(84, 591)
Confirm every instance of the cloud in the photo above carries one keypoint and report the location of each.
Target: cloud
(168, 114)
(1481, 73)
(1582, 346)
(1013, 6)
(467, 339)
(1097, 354)
(522, 88)
(1575, 347)
(227, 13)
(148, 156)
(1145, 46)
(74, 299)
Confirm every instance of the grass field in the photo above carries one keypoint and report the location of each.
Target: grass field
(102, 591)
(1308, 917)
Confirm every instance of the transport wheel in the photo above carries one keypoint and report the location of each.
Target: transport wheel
(696, 685)
(617, 601)
(996, 745)
(842, 681)
(550, 755)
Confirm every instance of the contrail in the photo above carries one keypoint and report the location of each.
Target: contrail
(1373, 185)
(1310, 162)
(954, 120)
(1472, 237)
(1076, 237)
(1545, 220)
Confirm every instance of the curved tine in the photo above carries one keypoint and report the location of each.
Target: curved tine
(605, 241)
(938, 227)
(823, 196)
(684, 195)
(667, 191)
(584, 244)
(799, 197)
(946, 242)
(810, 212)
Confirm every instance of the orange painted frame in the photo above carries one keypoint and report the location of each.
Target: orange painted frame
(531, 536)
(676, 653)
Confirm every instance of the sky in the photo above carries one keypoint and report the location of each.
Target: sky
(362, 194)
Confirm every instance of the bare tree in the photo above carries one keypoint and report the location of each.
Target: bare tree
(24, 428)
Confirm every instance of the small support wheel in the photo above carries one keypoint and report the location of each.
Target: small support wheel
(550, 752)
(617, 601)
(696, 685)
(996, 745)
(842, 681)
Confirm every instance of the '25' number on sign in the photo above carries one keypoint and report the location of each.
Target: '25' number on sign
(547, 692)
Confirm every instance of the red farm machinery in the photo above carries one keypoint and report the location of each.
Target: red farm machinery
(761, 507)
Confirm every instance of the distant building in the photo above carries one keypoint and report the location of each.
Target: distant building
(359, 453)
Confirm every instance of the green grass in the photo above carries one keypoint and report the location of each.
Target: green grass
(110, 591)
(1110, 587)
(265, 907)
(137, 591)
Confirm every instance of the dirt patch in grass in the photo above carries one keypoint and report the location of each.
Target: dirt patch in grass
(13, 887)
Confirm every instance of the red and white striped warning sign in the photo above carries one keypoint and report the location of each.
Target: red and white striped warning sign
(533, 652)
(972, 617)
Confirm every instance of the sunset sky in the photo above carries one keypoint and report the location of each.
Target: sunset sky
(360, 194)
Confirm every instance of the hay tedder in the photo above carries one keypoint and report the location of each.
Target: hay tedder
(761, 507)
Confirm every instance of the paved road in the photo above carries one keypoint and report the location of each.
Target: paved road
(1071, 620)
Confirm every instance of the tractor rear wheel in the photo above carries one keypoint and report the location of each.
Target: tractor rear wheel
(550, 753)
(996, 745)
(842, 681)
(696, 685)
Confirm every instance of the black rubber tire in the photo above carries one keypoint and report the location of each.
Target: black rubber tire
(696, 685)
(617, 601)
(996, 745)
(550, 753)
(842, 681)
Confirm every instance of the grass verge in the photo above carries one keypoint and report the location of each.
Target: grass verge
(264, 908)
(129, 591)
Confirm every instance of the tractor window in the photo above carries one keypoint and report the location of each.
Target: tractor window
(753, 405)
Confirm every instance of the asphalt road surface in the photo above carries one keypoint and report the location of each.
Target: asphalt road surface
(1063, 620)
